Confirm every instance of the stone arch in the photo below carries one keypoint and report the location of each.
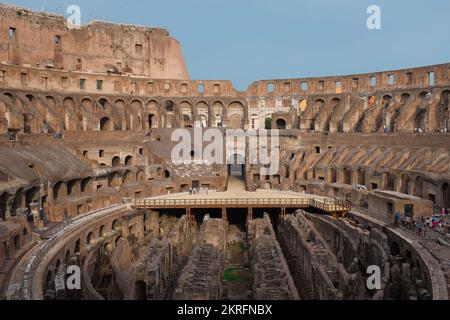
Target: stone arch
(90, 238)
(116, 225)
(140, 176)
(114, 180)
(217, 114)
(77, 248)
(127, 177)
(104, 104)
(106, 124)
(129, 160)
(57, 189)
(203, 113)
(152, 115)
(86, 185)
(187, 112)
(281, 124)
(236, 115)
(88, 104)
(101, 231)
(115, 162)
(446, 194)
(140, 290)
(444, 111)
(169, 106)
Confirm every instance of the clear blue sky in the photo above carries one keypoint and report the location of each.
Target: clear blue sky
(248, 40)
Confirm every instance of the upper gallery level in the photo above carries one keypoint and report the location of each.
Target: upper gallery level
(38, 39)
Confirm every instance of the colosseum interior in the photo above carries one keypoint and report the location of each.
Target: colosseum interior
(87, 179)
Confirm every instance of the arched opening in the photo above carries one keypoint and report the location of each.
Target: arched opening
(86, 185)
(150, 120)
(56, 190)
(67, 257)
(281, 124)
(90, 238)
(77, 246)
(268, 122)
(101, 232)
(140, 290)
(169, 106)
(140, 176)
(3, 199)
(115, 225)
(395, 249)
(420, 120)
(105, 124)
(127, 177)
(115, 162)
(446, 195)
(129, 161)
(166, 174)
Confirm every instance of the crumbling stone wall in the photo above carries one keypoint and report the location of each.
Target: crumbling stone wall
(271, 277)
(201, 279)
(316, 271)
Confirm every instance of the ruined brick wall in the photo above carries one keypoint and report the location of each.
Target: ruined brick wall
(41, 39)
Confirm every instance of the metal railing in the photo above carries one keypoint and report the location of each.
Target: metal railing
(329, 205)
(48, 244)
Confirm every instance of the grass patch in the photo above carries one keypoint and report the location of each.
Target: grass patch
(237, 275)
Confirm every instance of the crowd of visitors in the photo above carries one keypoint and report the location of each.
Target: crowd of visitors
(438, 222)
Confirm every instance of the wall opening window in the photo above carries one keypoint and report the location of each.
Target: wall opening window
(101, 153)
(12, 33)
(304, 86)
(270, 88)
(373, 81)
(167, 87)
(64, 82)
(409, 78)
(184, 87)
(138, 49)
(355, 83)
(321, 85)
(2, 76)
(431, 78)
(24, 79)
(99, 84)
(338, 86)
(391, 79)
(216, 88)
(201, 88)
(58, 40)
(317, 150)
(82, 84)
(287, 87)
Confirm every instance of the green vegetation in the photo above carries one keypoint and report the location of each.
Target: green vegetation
(238, 275)
(268, 123)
